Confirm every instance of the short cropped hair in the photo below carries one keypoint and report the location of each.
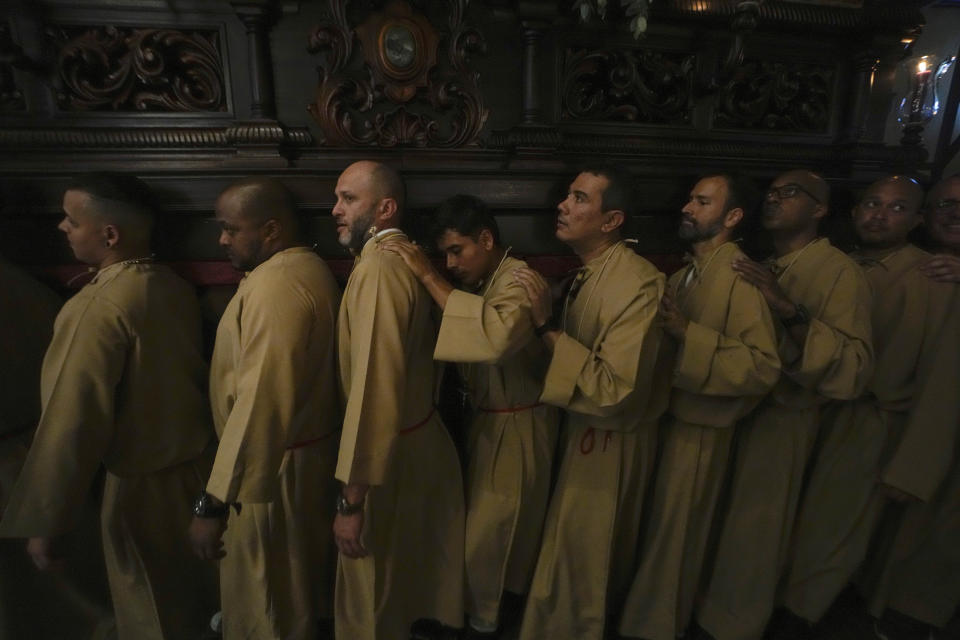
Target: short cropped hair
(742, 193)
(391, 184)
(114, 195)
(467, 215)
(621, 190)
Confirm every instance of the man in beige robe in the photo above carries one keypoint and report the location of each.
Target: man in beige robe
(822, 301)
(603, 373)
(727, 362)
(122, 387)
(487, 329)
(277, 412)
(400, 518)
(909, 318)
(912, 576)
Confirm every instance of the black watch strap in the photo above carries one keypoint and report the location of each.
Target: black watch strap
(345, 508)
(204, 507)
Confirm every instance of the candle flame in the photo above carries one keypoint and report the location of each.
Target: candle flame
(922, 66)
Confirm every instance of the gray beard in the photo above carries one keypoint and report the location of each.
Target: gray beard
(358, 233)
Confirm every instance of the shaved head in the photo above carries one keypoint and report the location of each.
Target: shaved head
(259, 199)
(370, 195)
(812, 182)
(887, 212)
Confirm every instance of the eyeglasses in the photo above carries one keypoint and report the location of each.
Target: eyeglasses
(789, 191)
(946, 206)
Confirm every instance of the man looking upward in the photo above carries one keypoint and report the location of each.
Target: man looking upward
(822, 302)
(603, 374)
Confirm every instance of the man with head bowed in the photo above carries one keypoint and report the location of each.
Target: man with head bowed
(400, 515)
(277, 412)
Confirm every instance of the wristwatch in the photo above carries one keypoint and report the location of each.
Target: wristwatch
(204, 507)
(802, 316)
(345, 508)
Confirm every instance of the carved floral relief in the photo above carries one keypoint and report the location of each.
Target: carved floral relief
(777, 96)
(408, 83)
(634, 85)
(111, 68)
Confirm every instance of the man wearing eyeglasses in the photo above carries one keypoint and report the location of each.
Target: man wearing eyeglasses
(896, 415)
(912, 579)
(822, 302)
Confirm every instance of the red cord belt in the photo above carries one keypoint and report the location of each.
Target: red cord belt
(511, 409)
(307, 443)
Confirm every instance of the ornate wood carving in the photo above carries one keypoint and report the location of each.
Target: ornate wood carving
(777, 96)
(110, 68)
(633, 85)
(359, 104)
(11, 98)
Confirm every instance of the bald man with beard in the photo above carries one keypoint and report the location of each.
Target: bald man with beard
(821, 301)
(273, 391)
(912, 576)
(400, 517)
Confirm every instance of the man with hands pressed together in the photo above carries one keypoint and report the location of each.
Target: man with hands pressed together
(400, 516)
(821, 301)
(486, 328)
(276, 409)
(604, 373)
(727, 362)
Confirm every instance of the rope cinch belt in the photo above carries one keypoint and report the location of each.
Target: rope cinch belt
(404, 432)
(525, 407)
(307, 443)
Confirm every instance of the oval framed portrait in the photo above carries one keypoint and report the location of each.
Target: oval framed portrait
(400, 48)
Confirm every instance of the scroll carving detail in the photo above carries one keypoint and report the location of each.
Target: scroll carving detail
(777, 96)
(627, 85)
(120, 69)
(11, 98)
(354, 108)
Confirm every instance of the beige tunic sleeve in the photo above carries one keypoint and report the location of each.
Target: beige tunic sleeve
(837, 358)
(597, 381)
(927, 449)
(82, 368)
(741, 361)
(275, 322)
(475, 329)
(380, 300)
